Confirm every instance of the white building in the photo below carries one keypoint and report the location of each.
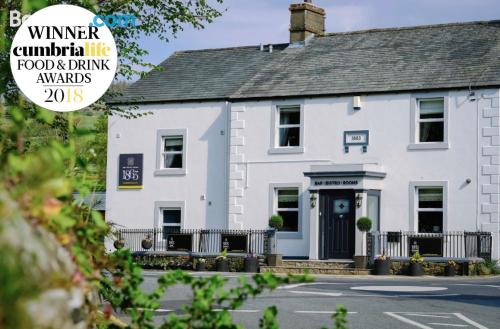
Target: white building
(401, 125)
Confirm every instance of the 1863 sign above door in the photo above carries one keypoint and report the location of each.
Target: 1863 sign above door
(130, 171)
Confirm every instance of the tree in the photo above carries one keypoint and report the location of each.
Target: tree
(53, 262)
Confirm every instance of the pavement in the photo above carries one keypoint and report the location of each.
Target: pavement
(372, 302)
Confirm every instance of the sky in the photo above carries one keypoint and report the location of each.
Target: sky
(252, 22)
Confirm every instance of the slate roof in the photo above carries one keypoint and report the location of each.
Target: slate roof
(427, 57)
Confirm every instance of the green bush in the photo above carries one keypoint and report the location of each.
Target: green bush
(276, 222)
(364, 224)
(416, 258)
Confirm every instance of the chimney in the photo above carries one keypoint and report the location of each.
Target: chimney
(305, 20)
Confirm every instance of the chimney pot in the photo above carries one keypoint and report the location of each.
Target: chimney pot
(305, 20)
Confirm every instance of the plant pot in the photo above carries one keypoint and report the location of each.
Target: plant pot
(119, 244)
(382, 267)
(147, 244)
(449, 270)
(201, 266)
(360, 261)
(222, 265)
(416, 269)
(251, 265)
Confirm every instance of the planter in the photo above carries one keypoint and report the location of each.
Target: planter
(251, 265)
(274, 260)
(360, 261)
(222, 265)
(147, 244)
(201, 266)
(416, 269)
(119, 244)
(382, 267)
(449, 270)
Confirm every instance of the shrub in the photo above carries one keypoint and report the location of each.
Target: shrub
(364, 224)
(417, 258)
(276, 222)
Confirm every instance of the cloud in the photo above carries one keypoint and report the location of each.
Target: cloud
(266, 21)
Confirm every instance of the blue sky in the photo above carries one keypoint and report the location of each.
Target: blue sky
(251, 22)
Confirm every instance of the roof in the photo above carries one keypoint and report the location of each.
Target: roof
(444, 56)
(95, 200)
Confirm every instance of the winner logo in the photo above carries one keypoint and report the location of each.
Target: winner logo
(64, 65)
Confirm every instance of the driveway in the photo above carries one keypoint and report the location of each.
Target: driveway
(372, 302)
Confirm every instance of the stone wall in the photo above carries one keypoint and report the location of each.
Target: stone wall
(236, 168)
(437, 268)
(170, 262)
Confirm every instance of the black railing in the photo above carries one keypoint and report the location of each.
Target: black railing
(457, 245)
(209, 241)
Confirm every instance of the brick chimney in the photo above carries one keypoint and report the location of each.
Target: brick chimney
(305, 20)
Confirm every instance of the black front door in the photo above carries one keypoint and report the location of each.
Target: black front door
(337, 225)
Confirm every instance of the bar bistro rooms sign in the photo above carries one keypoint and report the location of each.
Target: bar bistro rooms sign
(130, 171)
(328, 182)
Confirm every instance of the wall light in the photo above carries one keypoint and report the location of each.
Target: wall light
(313, 199)
(359, 199)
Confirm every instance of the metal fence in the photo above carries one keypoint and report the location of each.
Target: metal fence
(399, 244)
(209, 241)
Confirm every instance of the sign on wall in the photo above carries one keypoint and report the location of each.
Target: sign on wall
(234, 242)
(130, 171)
(356, 137)
(179, 242)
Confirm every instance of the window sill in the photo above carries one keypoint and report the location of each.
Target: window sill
(170, 172)
(286, 150)
(429, 146)
(289, 235)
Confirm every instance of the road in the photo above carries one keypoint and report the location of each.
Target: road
(372, 302)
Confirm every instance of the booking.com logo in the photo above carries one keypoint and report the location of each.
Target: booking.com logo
(113, 21)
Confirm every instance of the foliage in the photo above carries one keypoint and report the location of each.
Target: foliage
(382, 257)
(58, 259)
(416, 258)
(276, 222)
(339, 318)
(222, 256)
(485, 268)
(364, 224)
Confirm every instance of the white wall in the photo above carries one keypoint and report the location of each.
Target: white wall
(206, 164)
(251, 168)
(387, 117)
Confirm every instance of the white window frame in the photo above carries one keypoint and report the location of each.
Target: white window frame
(414, 209)
(164, 153)
(161, 136)
(275, 147)
(415, 143)
(273, 207)
(163, 225)
(164, 205)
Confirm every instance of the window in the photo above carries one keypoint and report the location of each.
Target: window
(171, 220)
(287, 206)
(430, 209)
(431, 120)
(373, 208)
(287, 132)
(289, 127)
(172, 154)
(171, 151)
